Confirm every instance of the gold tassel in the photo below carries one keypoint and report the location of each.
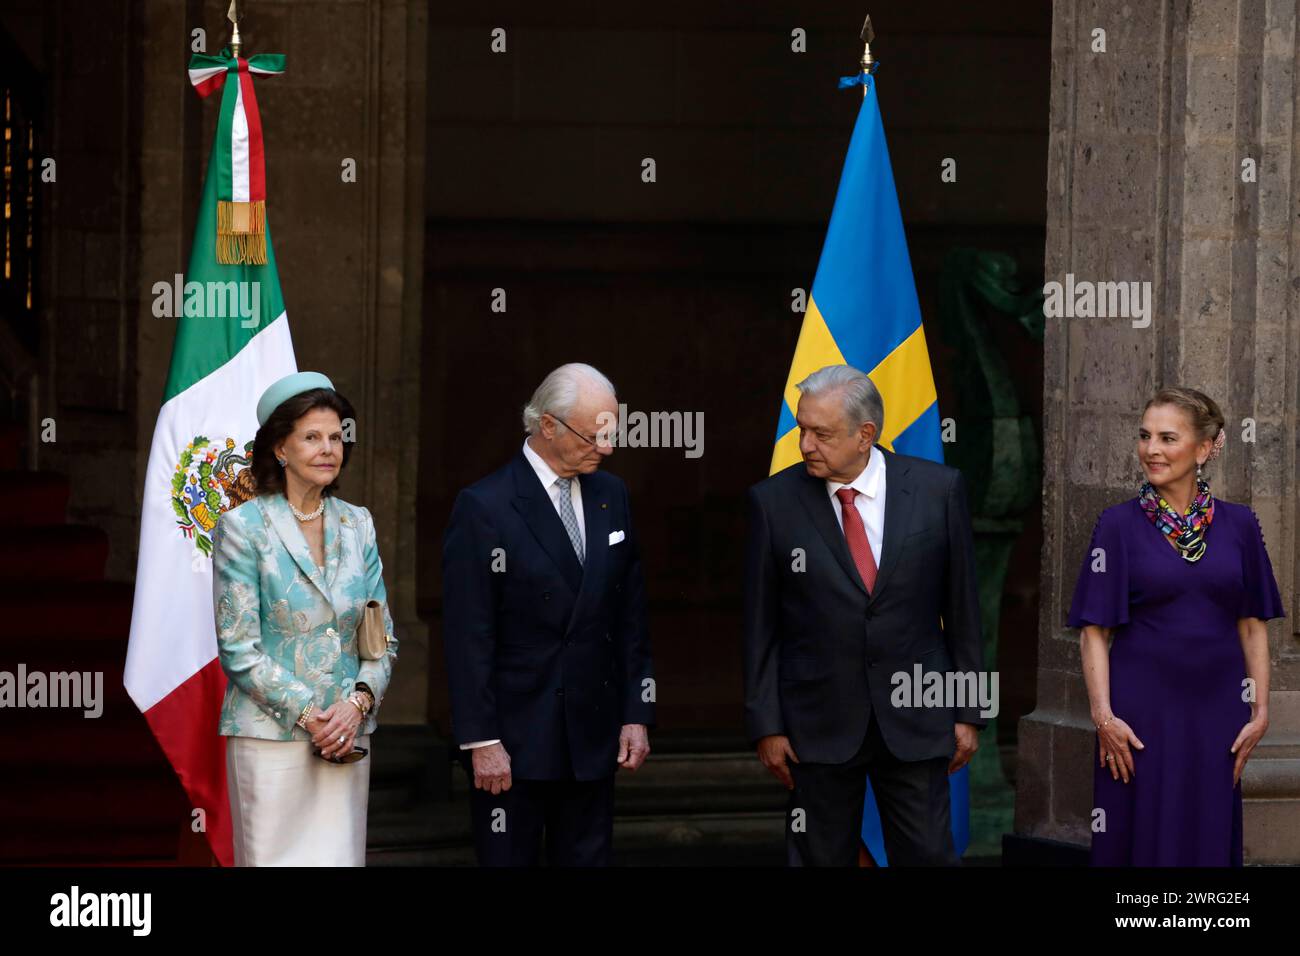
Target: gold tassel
(241, 232)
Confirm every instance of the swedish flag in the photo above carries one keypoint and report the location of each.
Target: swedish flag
(864, 312)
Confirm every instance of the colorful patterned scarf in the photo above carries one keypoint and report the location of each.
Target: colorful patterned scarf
(1187, 532)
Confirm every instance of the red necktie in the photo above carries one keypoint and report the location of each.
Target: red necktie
(855, 532)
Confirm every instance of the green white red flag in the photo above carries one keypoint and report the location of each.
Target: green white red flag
(232, 341)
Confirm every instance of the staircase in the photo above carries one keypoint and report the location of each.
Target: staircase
(75, 790)
(699, 800)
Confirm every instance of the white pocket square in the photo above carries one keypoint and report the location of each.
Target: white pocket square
(616, 536)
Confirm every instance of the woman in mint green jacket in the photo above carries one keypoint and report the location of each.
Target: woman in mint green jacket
(294, 567)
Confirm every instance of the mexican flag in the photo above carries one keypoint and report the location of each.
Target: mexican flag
(232, 341)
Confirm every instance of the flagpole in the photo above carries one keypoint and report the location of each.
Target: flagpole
(234, 15)
(868, 62)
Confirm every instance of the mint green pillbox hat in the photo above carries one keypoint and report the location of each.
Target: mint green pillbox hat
(286, 388)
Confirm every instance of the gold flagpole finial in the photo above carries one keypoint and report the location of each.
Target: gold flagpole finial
(868, 61)
(234, 16)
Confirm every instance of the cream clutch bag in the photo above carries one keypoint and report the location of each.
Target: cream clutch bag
(372, 642)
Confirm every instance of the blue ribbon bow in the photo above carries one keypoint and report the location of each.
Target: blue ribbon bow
(861, 79)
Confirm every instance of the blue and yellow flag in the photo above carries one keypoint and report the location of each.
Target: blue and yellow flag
(864, 312)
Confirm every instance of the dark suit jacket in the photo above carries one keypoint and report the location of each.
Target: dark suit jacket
(545, 655)
(820, 653)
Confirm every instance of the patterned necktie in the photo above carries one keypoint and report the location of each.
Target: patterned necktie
(568, 518)
(855, 532)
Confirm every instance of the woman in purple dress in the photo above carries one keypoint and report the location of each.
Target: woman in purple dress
(1182, 584)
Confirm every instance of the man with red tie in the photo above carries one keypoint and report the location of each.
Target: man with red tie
(859, 569)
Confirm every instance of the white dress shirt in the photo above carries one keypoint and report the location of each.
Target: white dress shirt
(870, 500)
(547, 476)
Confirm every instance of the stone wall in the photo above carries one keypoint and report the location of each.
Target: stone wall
(1145, 183)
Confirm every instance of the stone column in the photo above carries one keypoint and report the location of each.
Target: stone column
(1148, 182)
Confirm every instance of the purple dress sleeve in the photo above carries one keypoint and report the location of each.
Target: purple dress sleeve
(1259, 597)
(1101, 593)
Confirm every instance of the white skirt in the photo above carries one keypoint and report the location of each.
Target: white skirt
(290, 808)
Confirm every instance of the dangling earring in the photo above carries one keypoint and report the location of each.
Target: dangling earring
(285, 461)
(1198, 471)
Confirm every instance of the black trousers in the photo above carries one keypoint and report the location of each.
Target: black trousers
(574, 819)
(824, 822)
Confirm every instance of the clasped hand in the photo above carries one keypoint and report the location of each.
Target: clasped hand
(334, 730)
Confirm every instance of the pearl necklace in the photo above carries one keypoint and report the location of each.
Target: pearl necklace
(311, 517)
